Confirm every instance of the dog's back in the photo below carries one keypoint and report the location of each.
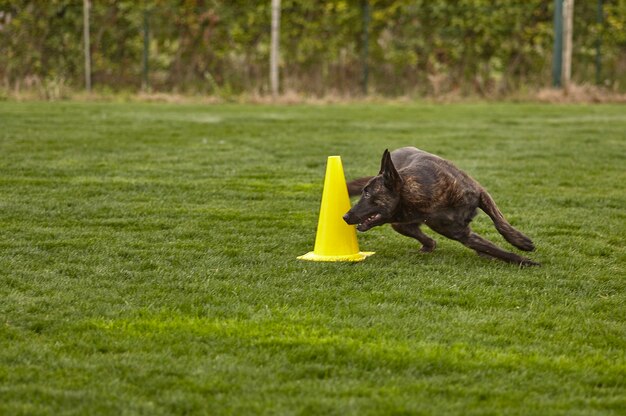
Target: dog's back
(405, 156)
(434, 181)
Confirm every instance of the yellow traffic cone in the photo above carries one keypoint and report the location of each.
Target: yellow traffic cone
(335, 240)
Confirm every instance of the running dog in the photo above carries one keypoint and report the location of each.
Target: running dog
(414, 187)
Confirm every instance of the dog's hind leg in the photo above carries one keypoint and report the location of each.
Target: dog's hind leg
(484, 247)
(413, 231)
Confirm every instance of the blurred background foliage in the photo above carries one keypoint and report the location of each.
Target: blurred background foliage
(415, 47)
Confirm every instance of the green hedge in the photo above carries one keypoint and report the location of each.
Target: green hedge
(222, 46)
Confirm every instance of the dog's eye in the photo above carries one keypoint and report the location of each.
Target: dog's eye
(366, 194)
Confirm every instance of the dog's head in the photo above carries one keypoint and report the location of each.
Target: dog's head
(380, 198)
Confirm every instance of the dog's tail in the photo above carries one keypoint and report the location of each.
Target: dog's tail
(509, 233)
(356, 186)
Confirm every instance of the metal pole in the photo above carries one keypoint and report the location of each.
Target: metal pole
(600, 20)
(557, 54)
(146, 50)
(86, 7)
(568, 32)
(274, 50)
(365, 46)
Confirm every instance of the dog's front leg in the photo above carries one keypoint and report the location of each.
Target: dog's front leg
(413, 231)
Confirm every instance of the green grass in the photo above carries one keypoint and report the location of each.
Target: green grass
(148, 264)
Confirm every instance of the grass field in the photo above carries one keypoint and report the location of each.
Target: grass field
(148, 264)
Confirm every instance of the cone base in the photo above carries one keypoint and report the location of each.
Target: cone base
(312, 256)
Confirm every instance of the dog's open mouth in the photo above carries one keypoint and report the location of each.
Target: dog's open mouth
(369, 222)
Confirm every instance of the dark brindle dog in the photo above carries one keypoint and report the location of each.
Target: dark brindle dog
(414, 188)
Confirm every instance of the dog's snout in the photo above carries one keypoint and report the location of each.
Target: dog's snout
(349, 218)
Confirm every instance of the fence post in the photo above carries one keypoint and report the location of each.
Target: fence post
(557, 54)
(568, 32)
(365, 6)
(146, 50)
(87, 42)
(274, 50)
(600, 21)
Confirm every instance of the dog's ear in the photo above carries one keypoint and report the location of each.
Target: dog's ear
(383, 161)
(391, 178)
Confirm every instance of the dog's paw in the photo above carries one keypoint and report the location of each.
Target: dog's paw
(428, 248)
(528, 262)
